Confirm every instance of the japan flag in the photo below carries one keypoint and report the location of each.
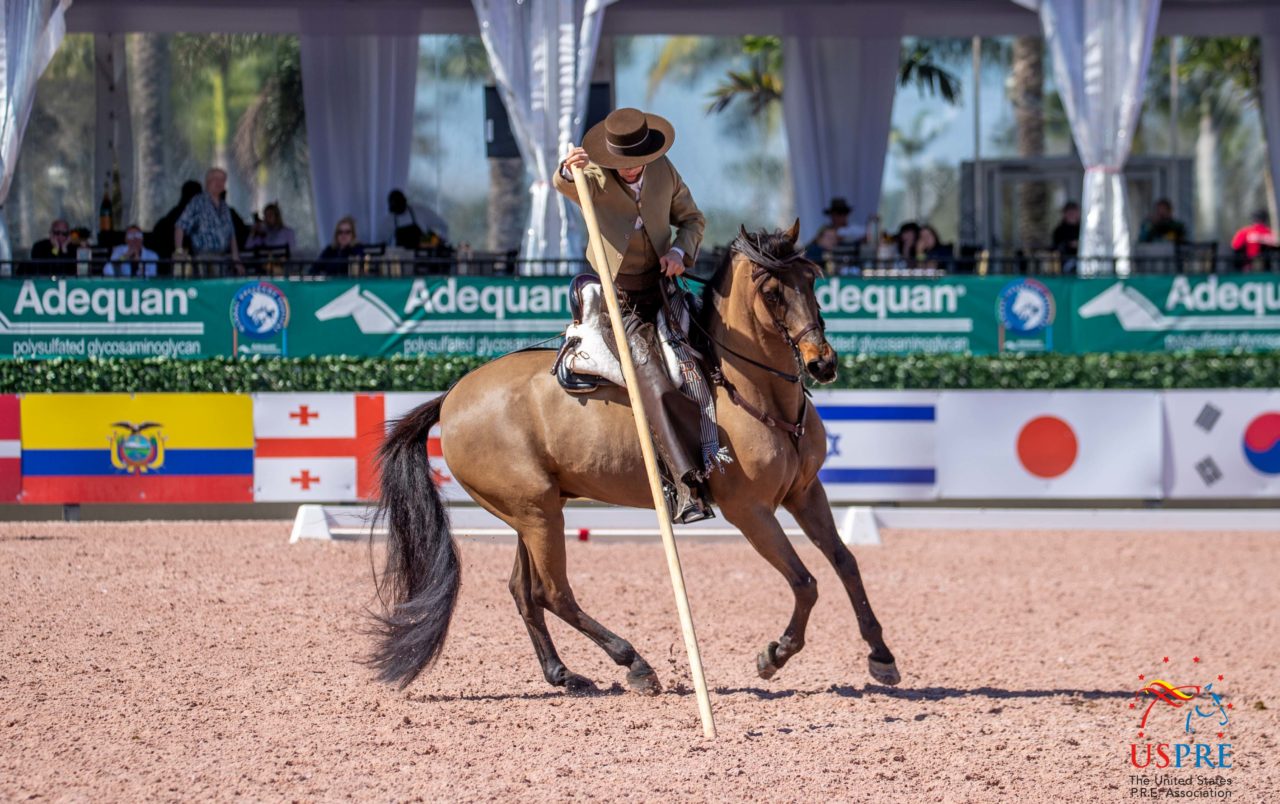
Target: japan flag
(1050, 444)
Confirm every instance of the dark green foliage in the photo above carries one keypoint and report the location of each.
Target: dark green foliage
(930, 372)
(1151, 370)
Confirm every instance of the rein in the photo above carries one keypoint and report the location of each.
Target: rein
(764, 265)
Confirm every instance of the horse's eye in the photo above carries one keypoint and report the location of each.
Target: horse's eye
(772, 296)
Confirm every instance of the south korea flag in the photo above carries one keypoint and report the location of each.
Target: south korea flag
(1223, 443)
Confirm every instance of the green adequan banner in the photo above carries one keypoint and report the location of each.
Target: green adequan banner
(488, 317)
(1174, 313)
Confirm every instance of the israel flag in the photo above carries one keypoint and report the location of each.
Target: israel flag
(881, 445)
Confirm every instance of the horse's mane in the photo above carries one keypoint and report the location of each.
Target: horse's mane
(771, 250)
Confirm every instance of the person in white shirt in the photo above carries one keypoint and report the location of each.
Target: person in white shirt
(132, 258)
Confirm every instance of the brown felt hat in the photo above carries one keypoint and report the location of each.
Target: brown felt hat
(628, 138)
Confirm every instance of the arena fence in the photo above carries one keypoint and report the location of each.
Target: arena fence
(857, 524)
(484, 317)
(882, 446)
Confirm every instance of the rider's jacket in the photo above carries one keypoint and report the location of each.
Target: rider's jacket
(637, 232)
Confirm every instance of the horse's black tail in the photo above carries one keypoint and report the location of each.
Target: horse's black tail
(423, 571)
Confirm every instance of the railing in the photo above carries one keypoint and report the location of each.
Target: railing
(249, 266)
(834, 264)
(1186, 260)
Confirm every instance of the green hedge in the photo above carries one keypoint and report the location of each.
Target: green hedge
(1134, 370)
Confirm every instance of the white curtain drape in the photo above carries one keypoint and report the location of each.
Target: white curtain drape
(837, 98)
(358, 92)
(1100, 50)
(1270, 43)
(542, 53)
(30, 34)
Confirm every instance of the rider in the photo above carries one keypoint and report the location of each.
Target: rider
(638, 197)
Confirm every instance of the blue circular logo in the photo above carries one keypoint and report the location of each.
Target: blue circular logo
(1025, 306)
(259, 310)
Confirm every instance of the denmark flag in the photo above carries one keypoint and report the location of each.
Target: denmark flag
(10, 449)
(316, 446)
(1050, 444)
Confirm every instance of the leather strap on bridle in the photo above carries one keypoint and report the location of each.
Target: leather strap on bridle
(758, 276)
(796, 430)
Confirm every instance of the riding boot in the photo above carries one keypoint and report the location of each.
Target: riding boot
(673, 421)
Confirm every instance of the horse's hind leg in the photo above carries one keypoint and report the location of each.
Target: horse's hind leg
(764, 533)
(551, 590)
(522, 590)
(813, 512)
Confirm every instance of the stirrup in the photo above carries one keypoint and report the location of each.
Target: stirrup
(692, 508)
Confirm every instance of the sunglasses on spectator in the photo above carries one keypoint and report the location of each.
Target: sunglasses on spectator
(60, 232)
(345, 231)
(133, 236)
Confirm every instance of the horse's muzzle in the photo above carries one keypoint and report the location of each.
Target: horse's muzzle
(822, 366)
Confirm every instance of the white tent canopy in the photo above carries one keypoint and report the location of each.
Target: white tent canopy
(851, 31)
(936, 18)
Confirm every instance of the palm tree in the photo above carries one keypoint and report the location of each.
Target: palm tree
(1225, 73)
(464, 58)
(688, 58)
(149, 87)
(924, 65)
(911, 145)
(1028, 106)
(272, 130)
(759, 87)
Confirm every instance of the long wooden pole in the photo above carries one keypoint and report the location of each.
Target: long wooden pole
(646, 449)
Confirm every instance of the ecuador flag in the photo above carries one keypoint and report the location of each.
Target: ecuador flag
(82, 448)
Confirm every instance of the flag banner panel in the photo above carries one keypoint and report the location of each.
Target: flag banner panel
(1050, 445)
(1222, 443)
(347, 426)
(137, 448)
(400, 404)
(305, 480)
(10, 448)
(304, 415)
(881, 445)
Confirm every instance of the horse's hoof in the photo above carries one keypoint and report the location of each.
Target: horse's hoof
(644, 682)
(575, 684)
(767, 661)
(884, 672)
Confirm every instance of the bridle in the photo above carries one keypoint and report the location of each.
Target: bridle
(764, 266)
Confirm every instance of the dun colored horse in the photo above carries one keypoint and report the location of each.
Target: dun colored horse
(521, 447)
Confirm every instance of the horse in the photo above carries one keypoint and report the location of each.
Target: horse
(521, 446)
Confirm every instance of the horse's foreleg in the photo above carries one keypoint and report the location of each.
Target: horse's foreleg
(813, 512)
(762, 530)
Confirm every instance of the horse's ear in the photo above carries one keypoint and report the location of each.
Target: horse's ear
(793, 234)
(742, 232)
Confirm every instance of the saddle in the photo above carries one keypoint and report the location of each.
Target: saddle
(589, 357)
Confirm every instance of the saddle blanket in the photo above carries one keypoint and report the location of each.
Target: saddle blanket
(589, 349)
